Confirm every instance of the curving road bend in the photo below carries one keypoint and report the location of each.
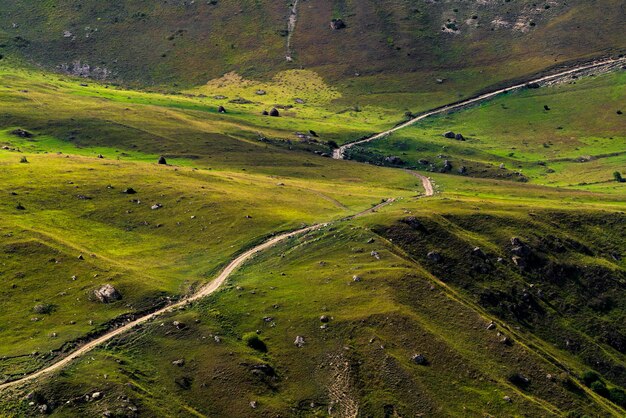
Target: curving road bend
(339, 153)
(206, 290)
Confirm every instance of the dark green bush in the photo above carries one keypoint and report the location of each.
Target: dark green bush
(253, 341)
(589, 377)
(618, 397)
(600, 388)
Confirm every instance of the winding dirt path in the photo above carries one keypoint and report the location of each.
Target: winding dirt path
(215, 284)
(339, 153)
(204, 291)
(429, 189)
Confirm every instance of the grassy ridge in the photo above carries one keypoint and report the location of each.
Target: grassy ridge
(560, 147)
(397, 309)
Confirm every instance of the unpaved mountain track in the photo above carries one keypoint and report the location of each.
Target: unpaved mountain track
(206, 290)
(214, 285)
(429, 190)
(339, 153)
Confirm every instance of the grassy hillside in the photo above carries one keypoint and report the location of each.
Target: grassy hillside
(515, 137)
(391, 46)
(401, 305)
(502, 295)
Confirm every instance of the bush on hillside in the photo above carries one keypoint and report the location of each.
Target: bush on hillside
(253, 341)
(589, 377)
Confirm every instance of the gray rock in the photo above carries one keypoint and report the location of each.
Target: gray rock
(434, 256)
(299, 342)
(107, 294)
(419, 359)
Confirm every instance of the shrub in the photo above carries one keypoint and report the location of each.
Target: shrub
(600, 388)
(618, 177)
(253, 341)
(43, 309)
(589, 377)
(618, 397)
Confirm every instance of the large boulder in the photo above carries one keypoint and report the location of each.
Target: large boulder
(449, 135)
(22, 133)
(337, 24)
(274, 113)
(162, 160)
(107, 294)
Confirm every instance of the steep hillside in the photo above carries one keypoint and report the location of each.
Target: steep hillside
(353, 321)
(386, 46)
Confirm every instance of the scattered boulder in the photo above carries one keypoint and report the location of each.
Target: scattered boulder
(299, 101)
(80, 257)
(447, 166)
(156, 206)
(459, 137)
(162, 160)
(491, 326)
(265, 113)
(313, 133)
(179, 325)
(324, 318)
(546, 107)
(375, 255)
(414, 223)
(299, 342)
(107, 294)
(419, 359)
(619, 112)
(261, 92)
(449, 135)
(462, 170)
(96, 395)
(394, 160)
(22, 133)
(221, 109)
(179, 362)
(100, 156)
(434, 256)
(356, 278)
(129, 190)
(337, 24)
(274, 112)
(263, 370)
(478, 252)
(519, 261)
(507, 399)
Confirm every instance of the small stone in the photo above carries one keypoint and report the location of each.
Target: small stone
(507, 399)
(299, 342)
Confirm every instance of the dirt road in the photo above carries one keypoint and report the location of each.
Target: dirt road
(207, 290)
(339, 153)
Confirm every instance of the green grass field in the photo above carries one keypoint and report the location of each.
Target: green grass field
(560, 147)
(366, 294)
